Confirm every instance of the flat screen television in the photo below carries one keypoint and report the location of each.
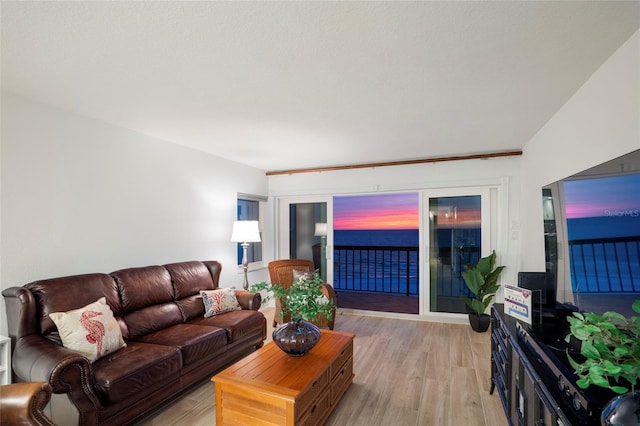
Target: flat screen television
(591, 233)
(545, 283)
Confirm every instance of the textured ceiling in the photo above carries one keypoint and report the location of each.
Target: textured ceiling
(281, 85)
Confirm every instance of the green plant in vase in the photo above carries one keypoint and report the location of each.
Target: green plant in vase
(303, 301)
(482, 281)
(611, 348)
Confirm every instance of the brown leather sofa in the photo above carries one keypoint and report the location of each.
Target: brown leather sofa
(170, 345)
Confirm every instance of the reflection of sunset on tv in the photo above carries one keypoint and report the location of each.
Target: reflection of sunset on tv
(606, 207)
(602, 197)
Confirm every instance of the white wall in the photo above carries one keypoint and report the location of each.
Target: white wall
(80, 196)
(599, 123)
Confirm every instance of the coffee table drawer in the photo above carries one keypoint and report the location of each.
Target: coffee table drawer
(341, 381)
(310, 395)
(345, 353)
(318, 411)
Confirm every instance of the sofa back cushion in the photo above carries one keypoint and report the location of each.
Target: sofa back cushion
(215, 268)
(147, 299)
(73, 292)
(189, 278)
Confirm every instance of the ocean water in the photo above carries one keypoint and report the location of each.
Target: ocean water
(394, 238)
(603, 227)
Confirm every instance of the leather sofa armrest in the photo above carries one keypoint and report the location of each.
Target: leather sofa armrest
(24, 403)
(21, 312)
(35, 359)
(249, 301)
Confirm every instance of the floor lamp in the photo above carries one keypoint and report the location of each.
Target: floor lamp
(245, 232)
(321, 231)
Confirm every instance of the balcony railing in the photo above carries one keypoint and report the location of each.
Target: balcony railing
(394, 270)
(448, 270)
(605, 265)
(376, 269)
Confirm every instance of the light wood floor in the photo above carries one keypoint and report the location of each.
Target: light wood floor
(406, 373)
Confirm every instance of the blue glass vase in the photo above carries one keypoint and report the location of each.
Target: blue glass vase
(296, 338)
(623, 410)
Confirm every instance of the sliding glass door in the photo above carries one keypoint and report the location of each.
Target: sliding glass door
(458, 234)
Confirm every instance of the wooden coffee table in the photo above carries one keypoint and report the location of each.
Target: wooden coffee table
(269, 387)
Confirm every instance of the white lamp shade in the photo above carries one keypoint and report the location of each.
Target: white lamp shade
(245, 231)
(321, 230)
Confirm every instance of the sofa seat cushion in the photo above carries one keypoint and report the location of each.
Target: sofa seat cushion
(237, 324)
(135, 371)
(194, 341)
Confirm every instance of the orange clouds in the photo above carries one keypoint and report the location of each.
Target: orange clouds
(376, 212)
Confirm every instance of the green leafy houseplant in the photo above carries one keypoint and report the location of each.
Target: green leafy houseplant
(482, 280)
(303, 300)
(611, 347)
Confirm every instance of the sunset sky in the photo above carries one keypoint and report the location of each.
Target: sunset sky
(381, 211)
(602, 196)
(583, 198)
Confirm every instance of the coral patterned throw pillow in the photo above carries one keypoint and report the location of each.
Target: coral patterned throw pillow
(219, 301)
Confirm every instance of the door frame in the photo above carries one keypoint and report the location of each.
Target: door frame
(495, 197)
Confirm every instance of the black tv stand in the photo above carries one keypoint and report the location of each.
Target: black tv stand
(525, 397)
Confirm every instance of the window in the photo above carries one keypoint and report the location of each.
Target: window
(249, 209)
